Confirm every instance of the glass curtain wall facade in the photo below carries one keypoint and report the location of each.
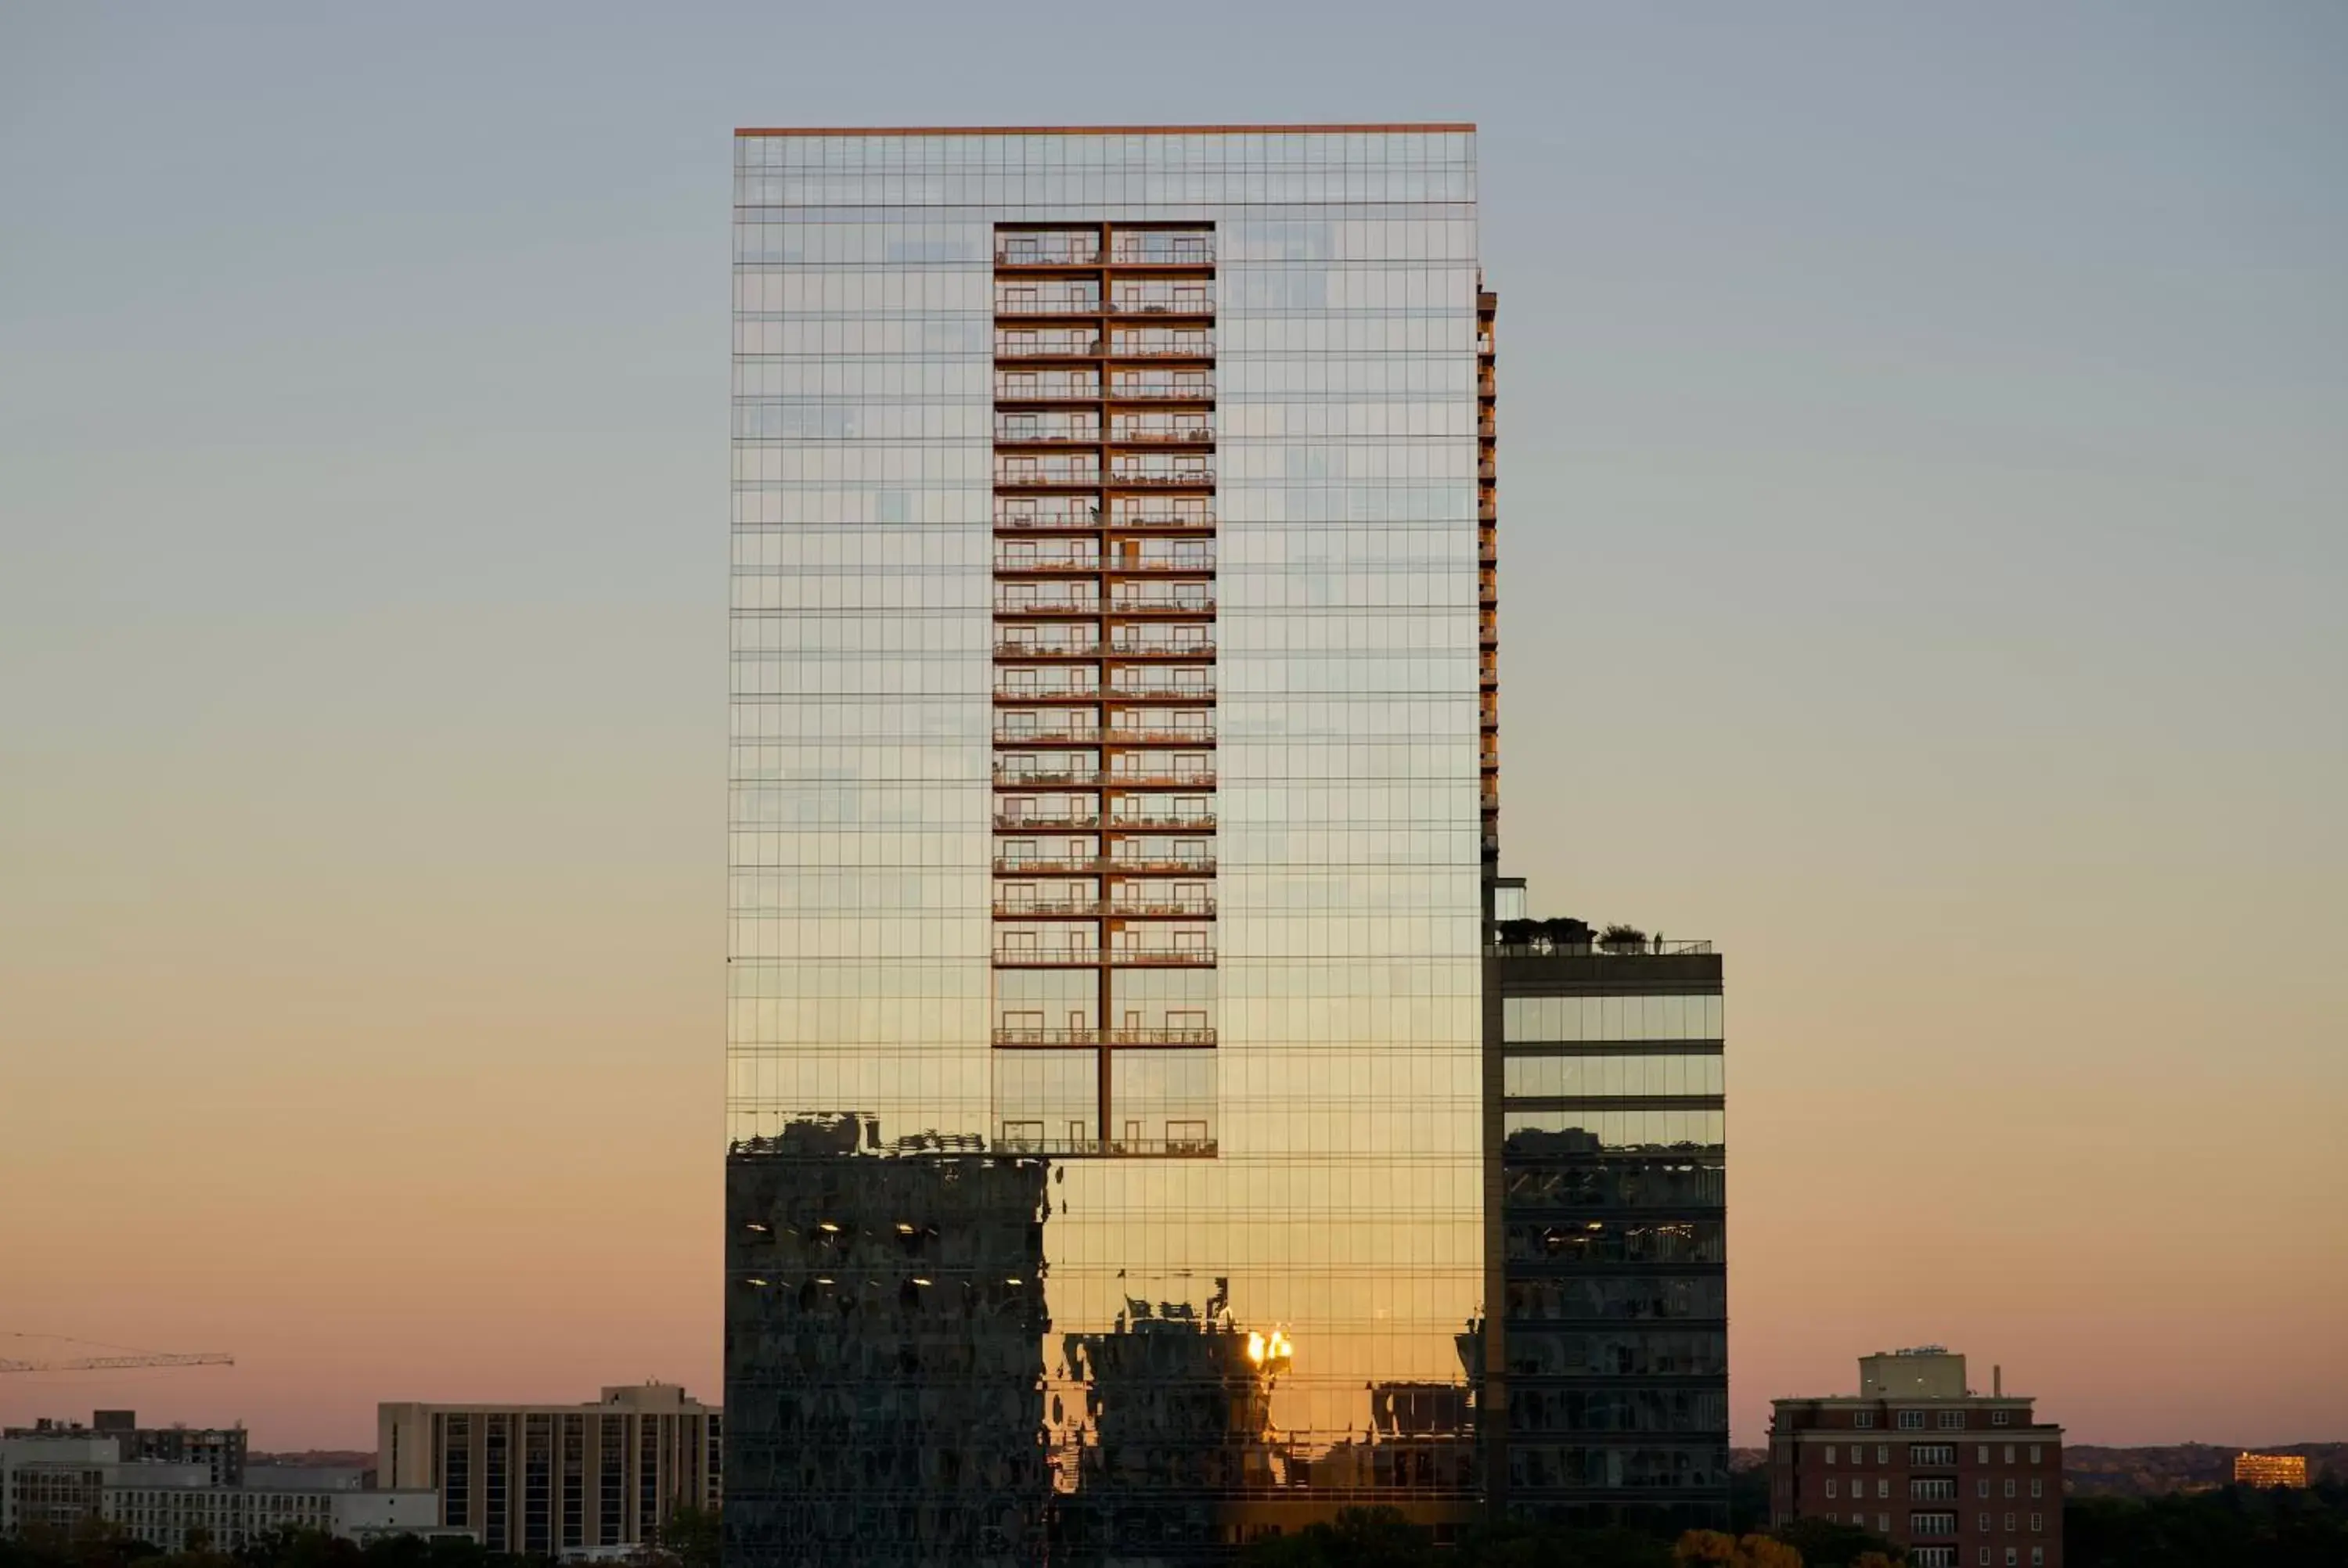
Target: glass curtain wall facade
(1106, 1016)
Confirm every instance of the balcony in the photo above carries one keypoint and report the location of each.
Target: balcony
(1162, 248)
(1164, 778)
(1126, 684)
(1181, 389)
(1047, 735)
(1161, 1036)
(1036, 1143)
(1047, 778)
(1013, 604)
(1048, 386)
(1161, 345)
(1488, 471)
(1041, 473)
(1034, 866)
(1038, 692)
(1044, 909)
(1162, 648)
(1166, 909)
(1164, 822)
(1073, 820)
(1047, 958)
(1488, 428)
(1046, 513)
(1048, 249)
(1153, 957)
(1020, 1035)
(1173, 303)
(1035, 560)
(1488, 386)
(1065, 648)
(1193, 518)
(1048, 345)
(1161, 735)
(1137, 475)
(1190, 604)
(1190, 559)
(1157, 430)
(1131, 864)
(1045, 302)
(1043, 430)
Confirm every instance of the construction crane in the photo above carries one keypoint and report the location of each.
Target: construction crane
(130, 1359)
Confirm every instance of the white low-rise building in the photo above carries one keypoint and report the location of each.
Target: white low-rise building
(62, 1482)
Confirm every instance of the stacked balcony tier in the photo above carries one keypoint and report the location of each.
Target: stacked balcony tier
(1104, 777)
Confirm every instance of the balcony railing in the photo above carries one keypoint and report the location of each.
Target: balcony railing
(1044, 822)
(1136, 604)
(1175, 560)
(1159, 735)
(1192, 691)
(1142, 957)
(1161, 248)
(1006, 604)
(1161, 1036)
(1013, 303)
(1016, 1034)
(1188, 433)
(1048, 909)
(1188, 908)
(1201, 303)
(1198, 518)
(1197, 778)
(1132, 389)
(1048, 251)
(1047, 735)
(1063, 386)
(1177, 821)
(1032, 471)
(1134, 474)
(1172, 345)
(1120, 1148)
(1067, 648)
(1047, 958)
(1049, 778)
(1197, 648)
(1013, 429)
(1162, 865)
(1545, 947)
(1030, 692)
(1042, 560)
(1047, 512)
(1047, 346)
(1033, 866)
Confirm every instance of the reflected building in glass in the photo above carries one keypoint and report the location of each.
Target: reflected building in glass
(1114, 786)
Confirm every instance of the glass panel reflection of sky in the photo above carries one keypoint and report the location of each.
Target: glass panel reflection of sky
(1343, 1206)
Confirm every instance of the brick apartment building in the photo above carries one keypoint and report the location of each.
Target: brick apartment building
(1961, 1479)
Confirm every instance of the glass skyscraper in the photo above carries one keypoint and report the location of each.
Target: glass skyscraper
(1112, 779)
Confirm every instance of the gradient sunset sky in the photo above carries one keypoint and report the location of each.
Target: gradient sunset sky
(1925, 455)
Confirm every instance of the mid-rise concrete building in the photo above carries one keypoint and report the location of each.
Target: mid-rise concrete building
(220, 1449)
(150, 1503)
(1961, 1479)
(61, 1479)
(558, 1480)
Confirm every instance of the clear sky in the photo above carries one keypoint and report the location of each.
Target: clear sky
(1925, 471)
